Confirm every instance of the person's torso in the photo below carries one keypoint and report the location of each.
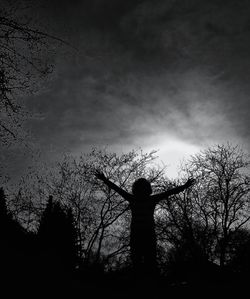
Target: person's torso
(142, 213)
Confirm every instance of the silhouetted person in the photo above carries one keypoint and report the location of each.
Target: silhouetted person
(142, 236)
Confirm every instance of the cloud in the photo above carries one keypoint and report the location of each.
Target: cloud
(145, 72)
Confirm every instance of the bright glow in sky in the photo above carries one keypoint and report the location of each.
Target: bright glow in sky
(172, 151)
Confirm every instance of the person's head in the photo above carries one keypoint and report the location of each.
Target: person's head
(141, 187)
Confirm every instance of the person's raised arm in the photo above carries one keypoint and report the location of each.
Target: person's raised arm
(164, 195)
(113, 186)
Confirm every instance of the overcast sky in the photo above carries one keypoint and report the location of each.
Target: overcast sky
(171, 75)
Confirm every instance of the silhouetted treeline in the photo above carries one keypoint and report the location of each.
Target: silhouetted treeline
(48, 257)
(81, 227)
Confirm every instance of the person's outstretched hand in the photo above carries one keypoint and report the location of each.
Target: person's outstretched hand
(100, 175)
(189, 183)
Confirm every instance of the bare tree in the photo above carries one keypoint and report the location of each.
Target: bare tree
(182, 229)
(222, 192)
(23, 61)
(101, 215)
(209, 214)
(109, 217)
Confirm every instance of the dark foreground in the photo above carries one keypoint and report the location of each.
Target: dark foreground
(117, 287)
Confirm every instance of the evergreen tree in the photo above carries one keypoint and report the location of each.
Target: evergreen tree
(3, 207)
(57, 236)
(14, 249)
(10, 230)
(4, 229)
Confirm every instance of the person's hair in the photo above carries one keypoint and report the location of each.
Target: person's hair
(141, 187)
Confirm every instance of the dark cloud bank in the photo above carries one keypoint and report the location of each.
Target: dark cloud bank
(176, 69)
